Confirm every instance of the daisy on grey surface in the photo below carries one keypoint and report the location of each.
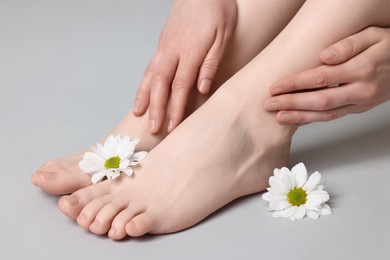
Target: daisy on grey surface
(294, 195)
(109, 160)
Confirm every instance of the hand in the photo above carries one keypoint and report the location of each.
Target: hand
(189, 52)
(360, 64)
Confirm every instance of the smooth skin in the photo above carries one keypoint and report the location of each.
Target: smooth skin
(359, 63)
(231, 143)
(190, 50)
(63, 175)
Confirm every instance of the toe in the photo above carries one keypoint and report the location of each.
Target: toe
(73, 204)
(105, 216)
(140, 225)
(118, 227)
(57, 181)
(91, 210)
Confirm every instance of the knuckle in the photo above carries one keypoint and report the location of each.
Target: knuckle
(369, 71)
(211, 64)
(157, 79)
(324, 103)
(331, 115)
(155, 110)
(348, 46)
(321, 79)
(179, 84)
(370, 93)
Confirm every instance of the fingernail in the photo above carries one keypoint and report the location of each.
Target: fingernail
(286, 117)
(72, 201)
(170, 126)
(152, 125)
(272, 106)
(275, 90)
(328, 54)
(205, 85)
(137, 107)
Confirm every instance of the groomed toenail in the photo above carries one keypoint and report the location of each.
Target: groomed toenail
(47, 175)
(82, 219)
(94, 224)
(72, 201)
(113, 232)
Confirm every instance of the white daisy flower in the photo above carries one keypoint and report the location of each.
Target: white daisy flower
(293, 195)
(109, 160)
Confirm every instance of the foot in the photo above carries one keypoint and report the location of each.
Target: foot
(225, 150)
(63, 175)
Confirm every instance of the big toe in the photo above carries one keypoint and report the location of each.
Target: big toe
(60, 182)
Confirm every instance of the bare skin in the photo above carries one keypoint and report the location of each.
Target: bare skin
(359, 63)
(232, 158)
(63, 176)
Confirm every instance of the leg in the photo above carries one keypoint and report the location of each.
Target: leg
(232, 158)
(63, 176)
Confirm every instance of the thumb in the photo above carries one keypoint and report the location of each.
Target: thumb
(350, 46)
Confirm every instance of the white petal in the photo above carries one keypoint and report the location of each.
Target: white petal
(139, 156)
(128, 171)
(272, 196)
(312, 182)
(278, 173)
(97, 177)
(289, 181)
(115, 175)
(323, 195)
(289, 211)
(99, 150)
(279, 204)
(133, 163)
(91, 163)
(300, 173)
(266, 196)
(277, 183)
(326, 210)
(124, 164)
(110, 146)
(312, 214)
(301, 212)
(280, 214)
(313, 200)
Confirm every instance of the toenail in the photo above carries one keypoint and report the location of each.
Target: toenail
(82, 219)
(47, 176)
(113, 232)
(94, 224)
(72, 201)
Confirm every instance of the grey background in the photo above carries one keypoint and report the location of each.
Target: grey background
(69, 71)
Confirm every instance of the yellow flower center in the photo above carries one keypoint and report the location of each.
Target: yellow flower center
(297, 197)
(112, 163)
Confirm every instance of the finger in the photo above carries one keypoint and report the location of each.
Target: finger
(160, 87)
(181, 86)
(142, 97)
(319, 77)
(350, 46)
(210, 66)
(296, 117)
(321, 100)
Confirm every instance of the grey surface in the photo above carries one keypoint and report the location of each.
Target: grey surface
(69, 71)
